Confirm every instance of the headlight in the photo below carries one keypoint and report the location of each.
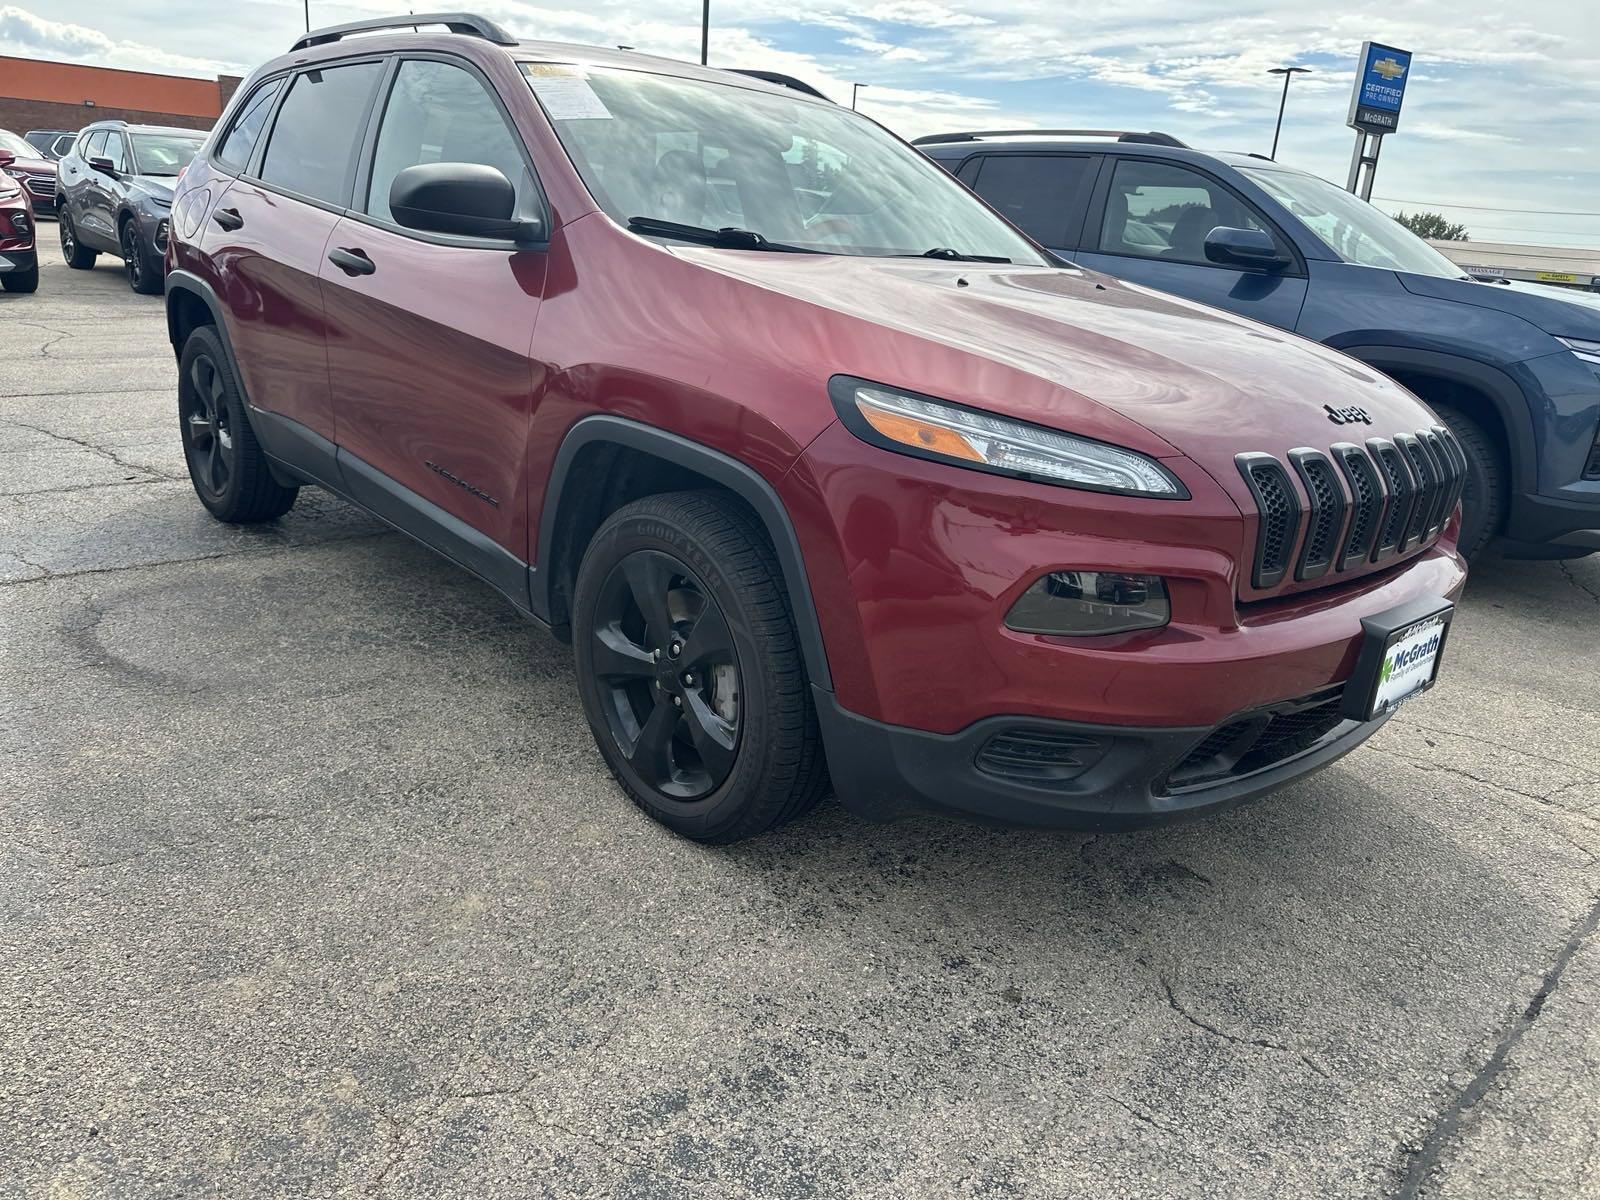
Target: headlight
(1588, 351)
(1091, 603)
(944, 432)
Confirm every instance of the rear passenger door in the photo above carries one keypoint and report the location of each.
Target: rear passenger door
(429, 341)
(1044, 195)
(293, 150)
(1149, 222)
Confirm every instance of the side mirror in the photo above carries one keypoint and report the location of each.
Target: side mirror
(1249, 248)
(468, 199)
(6, 158)
(103, 165)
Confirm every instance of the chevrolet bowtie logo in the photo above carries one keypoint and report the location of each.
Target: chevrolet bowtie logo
(1389, 69)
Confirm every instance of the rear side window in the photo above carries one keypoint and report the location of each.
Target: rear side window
(1039, 193)
(237, 147)
(441, 113)
(312, 146)
(1155, 210)
(969, 170)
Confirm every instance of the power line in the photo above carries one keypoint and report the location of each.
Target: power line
(1543, 212)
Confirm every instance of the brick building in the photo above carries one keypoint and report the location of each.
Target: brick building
(54, 95)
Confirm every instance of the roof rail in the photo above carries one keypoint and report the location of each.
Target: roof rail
(788, 81)
(1152, 138)
(457, 22)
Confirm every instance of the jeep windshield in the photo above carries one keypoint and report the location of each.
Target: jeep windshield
(796, 171)
(1353, 229)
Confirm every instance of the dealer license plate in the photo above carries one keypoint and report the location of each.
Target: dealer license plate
(1410, 663)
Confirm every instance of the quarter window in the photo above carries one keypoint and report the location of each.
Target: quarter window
(94, 145)
(241, 141)
(1038, 193)
(1156, 210)
(440, 113)
(312, 146)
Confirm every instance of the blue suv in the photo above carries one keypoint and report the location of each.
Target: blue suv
(1513, 369)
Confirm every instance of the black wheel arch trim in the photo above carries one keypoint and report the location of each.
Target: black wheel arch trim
(721, 469)
(1504, 393)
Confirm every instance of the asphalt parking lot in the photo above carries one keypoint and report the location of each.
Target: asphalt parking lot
(313, 884)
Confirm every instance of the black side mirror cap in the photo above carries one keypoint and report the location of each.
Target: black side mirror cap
(466, 199)
(103, 165)
(1249, 248)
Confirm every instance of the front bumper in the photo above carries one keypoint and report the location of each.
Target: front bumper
(1134, 775)
(18, 260)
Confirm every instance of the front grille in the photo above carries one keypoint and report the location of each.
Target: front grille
(42, 186)
(1354, 505)
(1039, 755)
(1257, 741)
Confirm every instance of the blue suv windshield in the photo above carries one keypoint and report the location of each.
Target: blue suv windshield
(1353, 229)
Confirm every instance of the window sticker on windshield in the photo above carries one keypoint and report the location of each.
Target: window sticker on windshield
(565, 93)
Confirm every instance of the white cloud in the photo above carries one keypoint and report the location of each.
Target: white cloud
(25, 35)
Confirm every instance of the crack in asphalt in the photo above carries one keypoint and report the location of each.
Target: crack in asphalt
(266, 552)
(91, 447)
(1547, 800)
(1262, 1043)
(1576, 582)
(1477, 740)
(1424, 1160)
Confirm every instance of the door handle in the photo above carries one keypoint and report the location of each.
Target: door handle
(228, 218)
(352, 261)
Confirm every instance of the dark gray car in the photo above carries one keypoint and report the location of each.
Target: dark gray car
(115, 195)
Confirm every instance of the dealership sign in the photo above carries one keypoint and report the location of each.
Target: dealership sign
(1380, 87)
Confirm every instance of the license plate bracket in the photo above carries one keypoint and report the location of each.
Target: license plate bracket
(1401, 649)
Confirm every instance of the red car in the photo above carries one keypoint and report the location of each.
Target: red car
(19, 258)
(824, 468)
(30, 168)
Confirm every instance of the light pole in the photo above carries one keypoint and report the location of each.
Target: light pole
(705, 29)
(855, 88)
(308, 16)
(1287, 73)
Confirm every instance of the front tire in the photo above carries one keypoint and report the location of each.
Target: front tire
(144, 277)
(226, 464)
(21, 281)
(690, 668)
(1483, 500)
(78, 256)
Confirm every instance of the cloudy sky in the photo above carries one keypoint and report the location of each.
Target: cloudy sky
(1502, 113)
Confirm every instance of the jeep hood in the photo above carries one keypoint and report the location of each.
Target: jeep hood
(1082, 352)
(1560, 314)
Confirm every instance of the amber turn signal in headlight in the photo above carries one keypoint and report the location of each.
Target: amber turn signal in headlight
(944, 432)
(1091, 603)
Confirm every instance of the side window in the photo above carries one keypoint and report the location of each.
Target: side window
(440, 113)
(236, 148)
(1157, 210)
(969, 170)
(1038, 193)
(116, 151)
(93, 145)
(311, 149)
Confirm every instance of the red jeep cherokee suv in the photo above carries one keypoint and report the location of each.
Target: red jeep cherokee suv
(19, 256)
(823, 467)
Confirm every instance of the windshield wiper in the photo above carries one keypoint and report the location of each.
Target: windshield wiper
(729, 237)
(955, 255)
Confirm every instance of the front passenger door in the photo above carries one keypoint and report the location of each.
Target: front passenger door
(1150, 227)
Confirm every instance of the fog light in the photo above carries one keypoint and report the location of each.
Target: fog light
(20, 225)
(1087, 603)
(161, 236)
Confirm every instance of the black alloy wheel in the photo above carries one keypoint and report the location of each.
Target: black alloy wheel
(142, 277)
(78, 256)
(668, 675)
(207, 427)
